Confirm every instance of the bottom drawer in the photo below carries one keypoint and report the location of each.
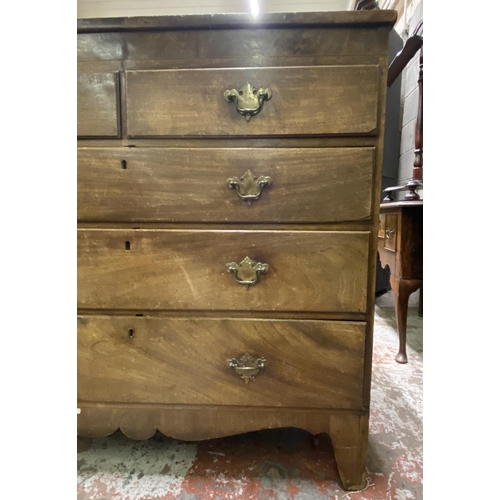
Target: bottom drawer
(311, 364)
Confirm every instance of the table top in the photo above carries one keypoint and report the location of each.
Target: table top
(402, 204)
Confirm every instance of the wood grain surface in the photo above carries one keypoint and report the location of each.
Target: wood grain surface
(311, 364)
(189, 185)
(314, 271)
(246, 44)
(158, 225)
(97, 112)
(318, 100)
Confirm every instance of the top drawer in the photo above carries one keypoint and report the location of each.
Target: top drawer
(310, 100)
(97, 105)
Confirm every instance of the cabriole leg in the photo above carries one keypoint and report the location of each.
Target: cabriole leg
(402, 289)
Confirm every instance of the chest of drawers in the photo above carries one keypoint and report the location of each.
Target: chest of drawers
(228, 188)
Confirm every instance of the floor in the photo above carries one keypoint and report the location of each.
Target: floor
(277, 464)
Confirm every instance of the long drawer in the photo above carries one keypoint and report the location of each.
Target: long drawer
(191, 184)
(313, 271)
(319, 100)
(313, 364)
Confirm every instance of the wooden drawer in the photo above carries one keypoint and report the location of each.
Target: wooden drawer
(97, 105)
(320, 100)
(391, 231)
(313, 271)
(312, 364)
(189, 185)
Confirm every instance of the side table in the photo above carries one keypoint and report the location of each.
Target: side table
(400, 246)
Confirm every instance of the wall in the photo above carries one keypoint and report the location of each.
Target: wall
(126, 8)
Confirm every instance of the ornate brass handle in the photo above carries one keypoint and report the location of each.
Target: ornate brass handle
(389, 233)
(247, 271)
(247, 366)
(249, 187)
(248, 100)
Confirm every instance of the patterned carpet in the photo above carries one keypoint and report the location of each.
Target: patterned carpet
(277, 464)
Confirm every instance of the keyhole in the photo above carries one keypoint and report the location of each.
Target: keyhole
(131, 332)
(124, 164)
(127, 245)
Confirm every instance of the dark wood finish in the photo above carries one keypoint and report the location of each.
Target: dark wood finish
(97, 105)
(412, 46)
(157, 50)
(403, 253)
(191, 102)
(186, 270)
(235, 21)
(322, 240)
(189, 185)
(184, 361)
(402, 289)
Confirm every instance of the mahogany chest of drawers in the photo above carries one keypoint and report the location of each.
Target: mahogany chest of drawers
(228, 187)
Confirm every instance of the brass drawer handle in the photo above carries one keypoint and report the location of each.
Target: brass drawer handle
(389, 233)
(247, 271)
(247, 366)
(248, 100)
(249, 187)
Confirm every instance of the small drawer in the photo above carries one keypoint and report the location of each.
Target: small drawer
(311, 271)
(391, 231)
(97, 110)
(202, 362)
(282, 185)
(309, 100)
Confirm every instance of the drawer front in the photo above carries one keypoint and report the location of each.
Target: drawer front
(190, 185)
(97, 105)
(321, 100)
(313, 271)
(391, 231)
(312, 364)
(381, 226)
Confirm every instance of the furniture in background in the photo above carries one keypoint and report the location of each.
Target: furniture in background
(401, 222)
(228, 198)
(412, 46)
(392, 145)
(400, 246)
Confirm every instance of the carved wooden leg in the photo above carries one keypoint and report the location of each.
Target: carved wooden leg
(402, 290)
(349, 435)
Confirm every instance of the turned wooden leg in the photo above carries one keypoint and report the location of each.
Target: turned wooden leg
(402, 289)
(349, 435)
